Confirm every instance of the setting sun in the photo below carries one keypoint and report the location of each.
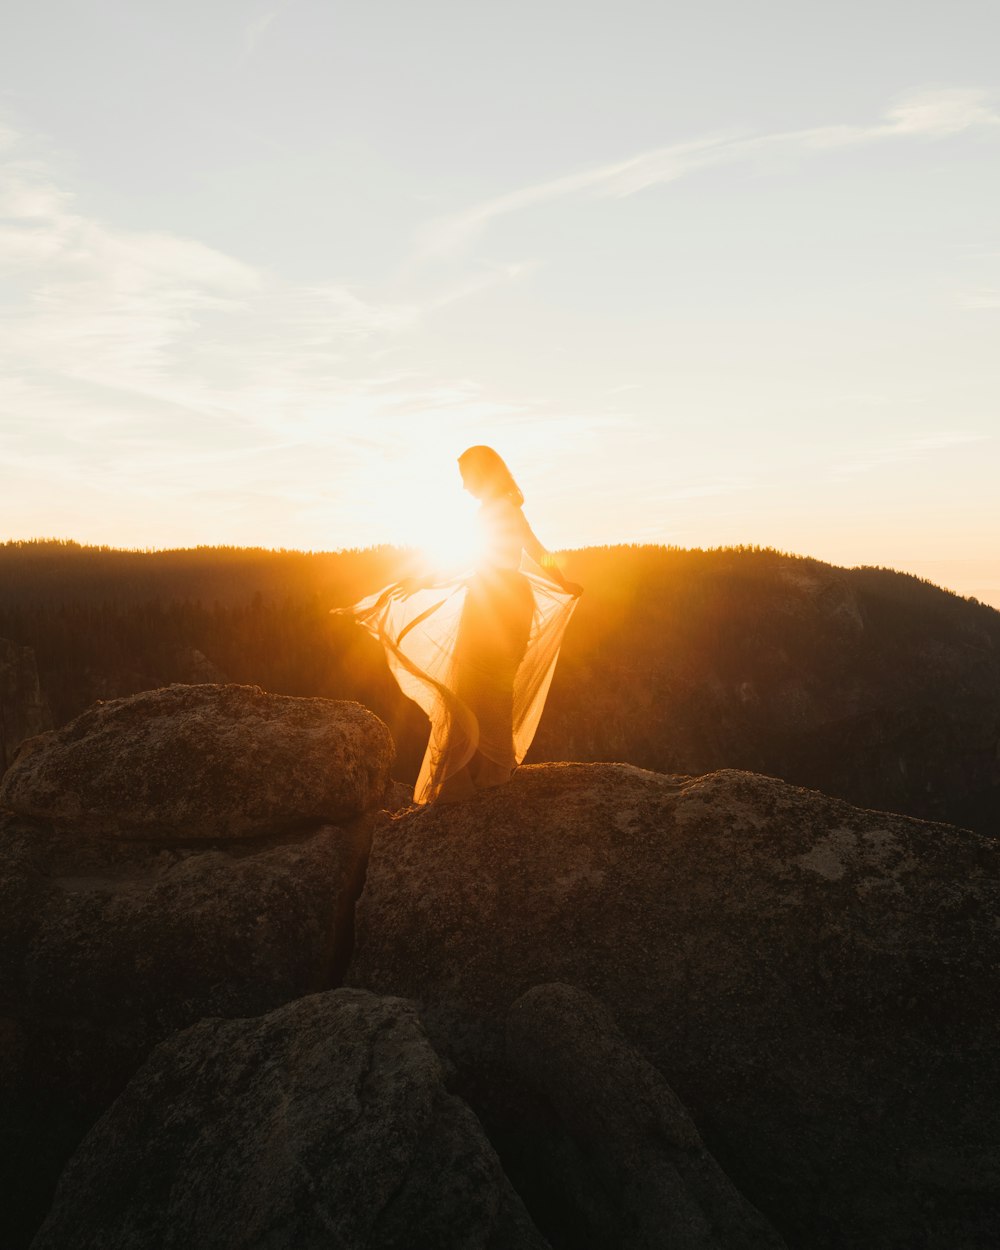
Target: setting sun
(415, 498)
(447, 534)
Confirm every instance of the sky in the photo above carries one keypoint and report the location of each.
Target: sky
(704, 274)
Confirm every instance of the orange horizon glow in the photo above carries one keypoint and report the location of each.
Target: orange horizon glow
(967, 578)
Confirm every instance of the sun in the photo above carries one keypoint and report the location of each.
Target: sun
(422, 505)
(446, 532)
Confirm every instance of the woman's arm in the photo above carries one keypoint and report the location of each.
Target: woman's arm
(544, 558)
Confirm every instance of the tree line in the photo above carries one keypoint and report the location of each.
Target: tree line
(680, 660)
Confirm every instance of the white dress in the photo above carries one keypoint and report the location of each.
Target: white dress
(477, 654)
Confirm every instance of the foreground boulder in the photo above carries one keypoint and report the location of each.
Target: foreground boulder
(818, 983)
(325, 1123)
(208, 762)
(106, 951)
(118, 928)
(605, 1149)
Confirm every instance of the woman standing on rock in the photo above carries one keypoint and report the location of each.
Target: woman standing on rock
(478, 653)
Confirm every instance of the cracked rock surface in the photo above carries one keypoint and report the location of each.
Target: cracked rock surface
(817, 982)
(325, 1123)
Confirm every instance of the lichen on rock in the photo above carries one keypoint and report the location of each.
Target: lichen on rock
(202, 762)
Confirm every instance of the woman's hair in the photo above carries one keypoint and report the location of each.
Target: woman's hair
(492, 477)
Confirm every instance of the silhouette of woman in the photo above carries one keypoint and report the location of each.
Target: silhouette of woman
(478, 653)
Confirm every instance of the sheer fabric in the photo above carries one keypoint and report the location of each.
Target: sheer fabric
(477, 654)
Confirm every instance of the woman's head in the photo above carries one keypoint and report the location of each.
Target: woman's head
(486, 476)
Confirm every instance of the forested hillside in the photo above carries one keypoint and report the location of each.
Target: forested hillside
(865, 683)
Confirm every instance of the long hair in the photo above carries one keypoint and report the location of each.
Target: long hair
(485, 467)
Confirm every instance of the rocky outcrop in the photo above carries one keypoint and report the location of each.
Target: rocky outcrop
(602, 1144)
(203, 762)
(810, 984)
(815, 981)
(112, 940)
(106, 950)
(24, 710)
(325, 1123)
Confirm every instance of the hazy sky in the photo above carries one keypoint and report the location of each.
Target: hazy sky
(704, 273)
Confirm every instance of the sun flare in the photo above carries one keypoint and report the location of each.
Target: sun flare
(447, 534)
(426, 508)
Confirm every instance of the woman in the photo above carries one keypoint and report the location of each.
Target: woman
(478, 653)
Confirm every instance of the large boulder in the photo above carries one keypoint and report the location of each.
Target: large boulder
(202, 762)
(118, 927)
(818, 983)
(603, 1148)
(106, 949)
(326, 1123)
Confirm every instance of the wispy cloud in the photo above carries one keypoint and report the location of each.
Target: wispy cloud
(928, 114)
(167, 318)
(153, 316)
(138, 366)
(712, 486)
(981, 299)
(450, 234)
(941, 112)
(918, 446)
(140, 370)
(258, 25)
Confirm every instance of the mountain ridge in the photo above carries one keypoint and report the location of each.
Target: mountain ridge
(865, 683)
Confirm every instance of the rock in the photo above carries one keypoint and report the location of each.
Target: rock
(613, 1154)
(325, 1123)
(398, 798)
(24, 710)
(197, 762)
(817, 982)
(184, 868)
(107, 947)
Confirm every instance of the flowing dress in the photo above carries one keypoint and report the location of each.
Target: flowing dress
(477, 654)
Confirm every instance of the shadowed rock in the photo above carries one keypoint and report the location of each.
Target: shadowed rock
(610, 1150)
(110, 943)
(208, 762)
(105, 949)
(817, 982)
(325, 1123)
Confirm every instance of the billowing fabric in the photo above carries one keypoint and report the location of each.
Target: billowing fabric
(477, 654)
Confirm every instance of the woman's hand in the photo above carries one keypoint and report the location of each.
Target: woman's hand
(410, 585)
